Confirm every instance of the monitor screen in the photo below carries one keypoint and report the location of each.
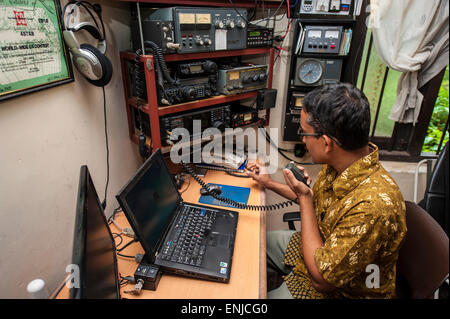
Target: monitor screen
(93, 248)
(148, 200)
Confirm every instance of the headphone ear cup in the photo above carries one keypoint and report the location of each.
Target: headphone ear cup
(104, 62)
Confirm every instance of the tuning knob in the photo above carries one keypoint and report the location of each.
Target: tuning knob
(209, 66)
(219, 24)
(240, 24)
(199, 41)
(208, 42)
(247, 79)
(262, 77)
(189, 93)
(255, 78)
(230, 24)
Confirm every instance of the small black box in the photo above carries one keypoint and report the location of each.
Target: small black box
(150, 274)
(266, 99)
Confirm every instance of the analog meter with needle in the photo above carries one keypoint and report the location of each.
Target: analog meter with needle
(310, 71)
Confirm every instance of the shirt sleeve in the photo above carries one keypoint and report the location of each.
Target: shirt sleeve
(352, 246)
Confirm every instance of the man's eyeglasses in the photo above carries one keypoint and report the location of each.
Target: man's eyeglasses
(301, 133)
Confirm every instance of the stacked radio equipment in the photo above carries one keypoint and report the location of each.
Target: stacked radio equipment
(322, 38)
(191, 30)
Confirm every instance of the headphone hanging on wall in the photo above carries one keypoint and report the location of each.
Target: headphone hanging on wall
(90, 61)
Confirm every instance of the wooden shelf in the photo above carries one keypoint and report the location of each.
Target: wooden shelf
(213, 3)
(129, 55)
(197, 104)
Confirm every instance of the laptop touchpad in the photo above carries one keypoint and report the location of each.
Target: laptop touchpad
(219, 240)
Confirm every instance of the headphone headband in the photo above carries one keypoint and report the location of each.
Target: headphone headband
(88, 26)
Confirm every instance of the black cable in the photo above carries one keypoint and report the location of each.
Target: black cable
(126, 256)
(189, 184)
(107, 147)
(235, 9)
(126, 245)
(237, 175)
(121, 238)
(280, 150)
(157, 53)
(267, 136)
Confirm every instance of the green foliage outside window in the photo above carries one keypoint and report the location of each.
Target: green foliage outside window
(438, 119)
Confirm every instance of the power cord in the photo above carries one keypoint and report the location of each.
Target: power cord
(107, 147)
(280, 150)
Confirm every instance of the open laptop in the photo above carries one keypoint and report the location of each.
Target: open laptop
(94, 250)
(182, 238)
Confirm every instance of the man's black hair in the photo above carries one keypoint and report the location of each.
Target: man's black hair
(341, 111)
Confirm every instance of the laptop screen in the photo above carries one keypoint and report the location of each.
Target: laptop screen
(93, 246)
(148, 200)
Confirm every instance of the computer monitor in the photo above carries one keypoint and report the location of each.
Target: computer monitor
(94, 249)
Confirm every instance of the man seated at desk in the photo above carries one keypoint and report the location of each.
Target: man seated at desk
(352, 220)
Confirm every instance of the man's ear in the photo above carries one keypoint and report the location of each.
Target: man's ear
(328, 143)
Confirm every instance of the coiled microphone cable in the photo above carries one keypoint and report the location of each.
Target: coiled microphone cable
(232, 202)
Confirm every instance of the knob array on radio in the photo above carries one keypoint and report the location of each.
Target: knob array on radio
(232, 80)
(192, 30)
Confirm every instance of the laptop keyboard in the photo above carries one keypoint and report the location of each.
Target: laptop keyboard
(187, 244)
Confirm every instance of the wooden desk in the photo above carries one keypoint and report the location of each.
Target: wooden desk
(248, 273)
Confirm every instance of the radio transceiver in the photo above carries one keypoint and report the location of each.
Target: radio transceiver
(216, 116)
(232, 80)
(258, 36)
(194, 80)
(243, 115)
(191, 30)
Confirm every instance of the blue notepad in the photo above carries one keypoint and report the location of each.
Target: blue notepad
(236, 193)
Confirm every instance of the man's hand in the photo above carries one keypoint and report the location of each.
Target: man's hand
(299, 188)
(258, 173)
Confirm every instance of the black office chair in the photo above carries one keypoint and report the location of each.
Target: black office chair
(436, 200)
(290, 218)
(423, 262)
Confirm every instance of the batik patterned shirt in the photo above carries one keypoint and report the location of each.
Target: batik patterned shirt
(361, 219)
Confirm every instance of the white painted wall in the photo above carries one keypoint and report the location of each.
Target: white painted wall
(45, 137)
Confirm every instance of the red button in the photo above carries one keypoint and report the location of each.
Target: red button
(332, 46)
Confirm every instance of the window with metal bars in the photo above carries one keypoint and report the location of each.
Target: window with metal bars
(397, 141)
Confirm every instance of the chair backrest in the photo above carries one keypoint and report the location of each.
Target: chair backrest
(423, 261)
(436, 200)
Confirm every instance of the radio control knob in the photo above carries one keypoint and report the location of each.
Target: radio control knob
(255, 78)
(189, 93)
(208, 42)
(199, 41)
(241, 24)
(247, 79)
(230, 24)
(219, 24)
(209, 66)
(262, 77)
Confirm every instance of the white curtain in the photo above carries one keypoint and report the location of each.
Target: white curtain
(411, 36)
